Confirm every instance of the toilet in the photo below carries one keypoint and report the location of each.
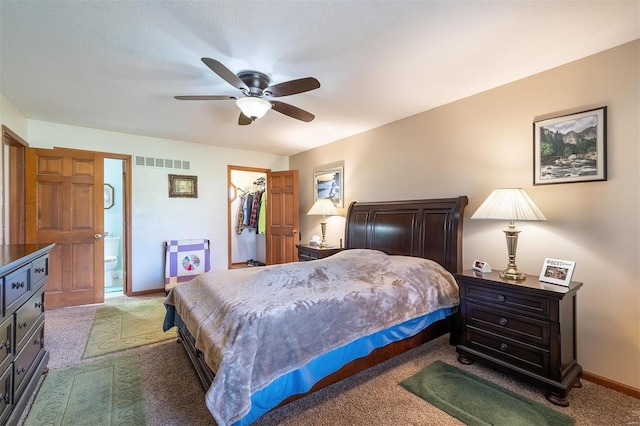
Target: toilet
(111, 244)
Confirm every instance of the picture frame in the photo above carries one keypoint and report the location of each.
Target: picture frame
(571, 148)
(556, 271)
(108, 196)
(182, 186)
(481, 266)
(329, 183)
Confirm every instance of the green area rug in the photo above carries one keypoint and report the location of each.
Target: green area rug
(476, 401)
(96, 393)
(127, 326)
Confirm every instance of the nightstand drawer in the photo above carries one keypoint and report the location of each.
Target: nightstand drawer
(307, 252)
(304, 256)
(506, 299)
(528, 330)
(508, 350)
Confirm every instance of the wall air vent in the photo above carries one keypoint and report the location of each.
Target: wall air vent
(164, 163)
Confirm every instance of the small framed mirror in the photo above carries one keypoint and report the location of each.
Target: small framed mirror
(108, 196)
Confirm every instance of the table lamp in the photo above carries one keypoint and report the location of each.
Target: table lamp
(323, 207)
(509, 204)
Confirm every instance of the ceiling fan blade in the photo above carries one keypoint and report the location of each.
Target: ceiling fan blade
(292, 111)
(292, 87)
(225, 73)
(205, 98)
(243, 120)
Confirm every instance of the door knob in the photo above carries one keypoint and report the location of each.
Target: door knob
(97, 236)
(294, 231)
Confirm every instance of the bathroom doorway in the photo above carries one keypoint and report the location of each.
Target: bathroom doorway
(115, 235)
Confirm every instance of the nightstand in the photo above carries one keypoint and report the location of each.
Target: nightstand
(307, 252)
(526, 328)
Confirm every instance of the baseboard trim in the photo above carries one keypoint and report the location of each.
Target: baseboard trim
(611, 384)
(145, 292)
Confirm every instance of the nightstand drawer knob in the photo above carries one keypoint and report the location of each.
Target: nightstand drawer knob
(501, 298)
(503, 347)
(503, 321)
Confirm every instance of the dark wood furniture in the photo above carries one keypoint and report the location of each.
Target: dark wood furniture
(307, 252)
(24, 269)
(526, 328)
(430, 229)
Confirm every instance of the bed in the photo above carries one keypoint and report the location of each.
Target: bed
(277, 333)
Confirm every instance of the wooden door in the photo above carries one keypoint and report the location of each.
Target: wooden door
(283, 220)
(65, 204)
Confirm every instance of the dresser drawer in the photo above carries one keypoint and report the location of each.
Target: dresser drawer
(16, 284)
(5, 394)
(27, 316)
(507, 299)
(6, 340)
(522, 328)
(39, 271)
(510, 351)
(24, 361)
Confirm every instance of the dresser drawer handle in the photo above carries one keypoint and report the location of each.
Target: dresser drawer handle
(21, 370)
(38, 342)
(501, 298)
(6, 344)
(39, 270)
(503, 347)
(22, 324)
(39, 304)
(5, 397)
(17, 285)
(503, 321)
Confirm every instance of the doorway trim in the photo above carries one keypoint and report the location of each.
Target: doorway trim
(231, 189)
(126, 219)
(13, 181)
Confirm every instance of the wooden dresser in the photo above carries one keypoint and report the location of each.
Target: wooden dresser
(307, 252)
(23, 273)
(526, 328)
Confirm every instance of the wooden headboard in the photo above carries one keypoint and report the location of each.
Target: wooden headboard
(431, 229)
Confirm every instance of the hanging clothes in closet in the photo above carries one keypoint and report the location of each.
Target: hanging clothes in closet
(252, 209)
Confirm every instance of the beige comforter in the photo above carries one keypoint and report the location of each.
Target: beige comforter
(256, 324)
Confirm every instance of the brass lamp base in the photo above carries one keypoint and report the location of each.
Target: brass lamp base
(323, 227)
(512, 273)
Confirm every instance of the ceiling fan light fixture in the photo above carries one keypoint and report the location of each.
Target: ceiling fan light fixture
(253, 107)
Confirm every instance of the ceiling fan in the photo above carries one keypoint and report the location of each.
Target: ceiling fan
(256, 89)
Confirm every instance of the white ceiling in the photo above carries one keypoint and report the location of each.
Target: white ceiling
(116, 65)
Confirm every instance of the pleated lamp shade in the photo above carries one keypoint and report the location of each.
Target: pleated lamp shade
(508, 204)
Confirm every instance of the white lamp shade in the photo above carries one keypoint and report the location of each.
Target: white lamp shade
(323, 207)
(508, 204)
(253, 107)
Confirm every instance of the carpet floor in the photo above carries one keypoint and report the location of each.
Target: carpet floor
(174, 396)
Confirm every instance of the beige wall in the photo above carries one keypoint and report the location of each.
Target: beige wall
(483, 142)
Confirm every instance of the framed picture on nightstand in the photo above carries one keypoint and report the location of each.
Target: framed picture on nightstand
(557, 271)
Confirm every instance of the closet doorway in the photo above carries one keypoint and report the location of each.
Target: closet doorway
(247, 238)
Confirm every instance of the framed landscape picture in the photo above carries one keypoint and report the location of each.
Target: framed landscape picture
(329, 184)
(181, 186)
(571, 148)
